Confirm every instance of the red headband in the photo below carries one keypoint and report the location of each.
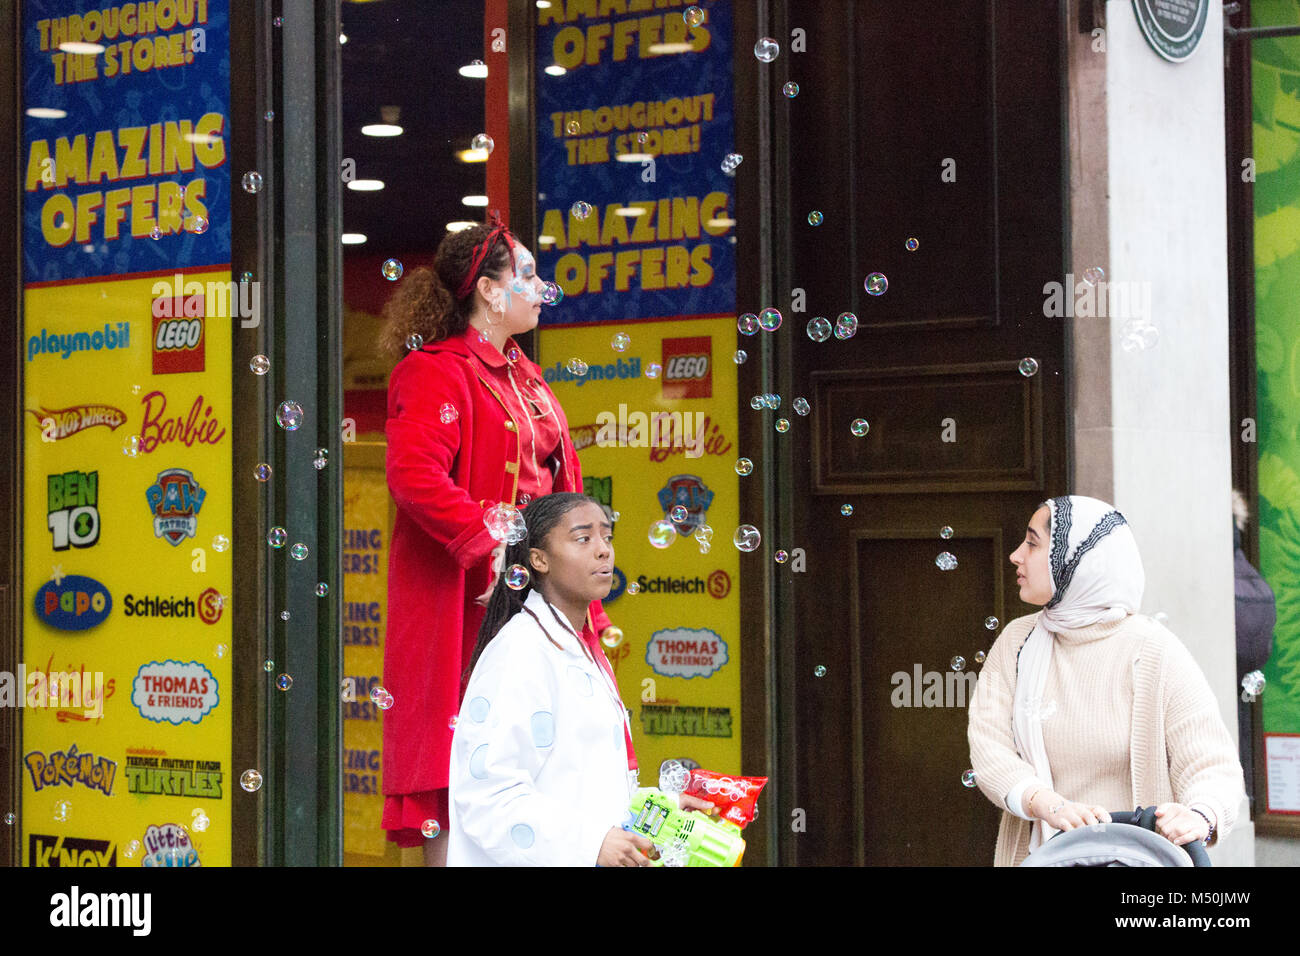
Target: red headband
(484, 249)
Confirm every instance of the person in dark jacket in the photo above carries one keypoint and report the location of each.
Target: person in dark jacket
(1256, 610)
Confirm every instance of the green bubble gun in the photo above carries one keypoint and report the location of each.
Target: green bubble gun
(683, 837)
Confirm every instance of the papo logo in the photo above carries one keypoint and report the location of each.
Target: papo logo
(688, 369)
(177, 342)
(175, 499)
(169, 845)
(690, 492)
(72, 500)
(73, 603)
(686, 652)
(172, 692)
(61, 851)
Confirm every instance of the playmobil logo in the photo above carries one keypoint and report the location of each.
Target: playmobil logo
(64, 344)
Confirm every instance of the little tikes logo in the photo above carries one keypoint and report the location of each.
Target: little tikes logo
(59, 423)
(690, 492)
(64, 344)
(72, 509)
(169, 845)
(74, 602)
(65, 851)
(178, 344)
(688, 368)
(175, 499)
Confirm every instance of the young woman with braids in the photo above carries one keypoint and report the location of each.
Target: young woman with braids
(471, 424)
(540, 762)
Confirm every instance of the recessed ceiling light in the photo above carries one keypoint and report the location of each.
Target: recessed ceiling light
(381, 129)
(481, 201)
(543, 4)
(460, 224)
(472, 155)
(720, 222)
(633, 157)
(83, 49)
(630, 211)
(45, 112)
(366, 185)
(546, 240)
(555, 70)
(202, 139)
(475, 71)
(663, 48)
(352, 238)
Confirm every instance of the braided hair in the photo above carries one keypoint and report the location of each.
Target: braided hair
(541, 516)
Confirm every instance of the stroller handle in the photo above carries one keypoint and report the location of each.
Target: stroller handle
(1145, 817)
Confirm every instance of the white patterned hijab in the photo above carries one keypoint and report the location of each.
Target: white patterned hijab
(1096, 576)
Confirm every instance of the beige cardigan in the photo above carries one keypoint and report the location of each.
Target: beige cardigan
(1180, 748)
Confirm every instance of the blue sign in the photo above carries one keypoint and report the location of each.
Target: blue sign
(635, 212)
(73, 603)
(126, 165)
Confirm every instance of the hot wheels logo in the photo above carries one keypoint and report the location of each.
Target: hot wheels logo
(58, 423)
(73, 603)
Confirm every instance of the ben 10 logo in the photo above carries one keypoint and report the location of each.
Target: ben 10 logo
(72, 506)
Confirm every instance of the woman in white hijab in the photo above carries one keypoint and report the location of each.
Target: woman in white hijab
(1088, 706)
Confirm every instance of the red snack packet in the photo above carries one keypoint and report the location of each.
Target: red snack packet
(735, 797)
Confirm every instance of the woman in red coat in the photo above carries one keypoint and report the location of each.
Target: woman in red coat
(471, 424)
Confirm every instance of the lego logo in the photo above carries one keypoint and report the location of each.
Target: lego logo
(178, 334)
(687, 367)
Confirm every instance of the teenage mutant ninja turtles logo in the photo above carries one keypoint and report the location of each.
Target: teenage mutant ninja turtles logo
(175, 499)
(690, 492)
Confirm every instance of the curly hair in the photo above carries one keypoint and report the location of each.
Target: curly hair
(425, 302)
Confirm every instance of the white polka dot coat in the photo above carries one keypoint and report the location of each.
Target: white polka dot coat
(539, 767)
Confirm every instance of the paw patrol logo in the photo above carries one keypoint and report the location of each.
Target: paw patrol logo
(175, 499)
(690, 492)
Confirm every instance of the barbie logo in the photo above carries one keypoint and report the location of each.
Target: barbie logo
(199, 425)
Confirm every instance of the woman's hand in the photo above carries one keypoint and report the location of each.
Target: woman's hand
(1054, 810)
(689, 801)
(1179, 824)
(622, 848)
(498, 558)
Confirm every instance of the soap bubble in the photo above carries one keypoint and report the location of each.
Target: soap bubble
(653, 369)
(782, 425)
(289, 416)
(277, 537)
(552, 294)
(1094, 275)
(573, 127)
(815, 218)
(731, 161)
(577, 366)
(447, 413)
(1028, 367)
(782, 557)
(758, 402)
(957, 663)
(704, 533)
(620, 341)
(378, 693)
(251, 780)
(321, 458)
(740, 356)
(1253, 683)
(819, 328)
(580, 209)
(268, 665)
(513, 354)
(744, 467)
(131, 446)
(322, 589)
(198, 225)
(516, 577)
(284, 682)
(791, 90)
(633, 588)
(819, 670)
(662, 533)
(678, 514)
(747, 538)
(773, 400)
(262, 472)
(946, 532)
(260, 364)
(912, 245)
(414, 341)
(769, 319)
(220, 543)
(62, 810)
(846, 326)
(269, 115)
(155, 233)
(991, 623)
(846, 509)
(859, 427)
(246, 277)
(284, 615)
(505, 523)
(800, 405)
(482, 142)
(299, 551)
(673, 776)
(132, 850)
(747, 323)
(391, 269)
(10, 818)
(766, 49)
(968, 779)
(220, 651)
(693, 16)
(453, 721)
(875, 283)
(946, 561)
(430, 829)
(252, 182)
(979, 657)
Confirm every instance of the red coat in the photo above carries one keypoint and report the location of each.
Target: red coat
(442, 477)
